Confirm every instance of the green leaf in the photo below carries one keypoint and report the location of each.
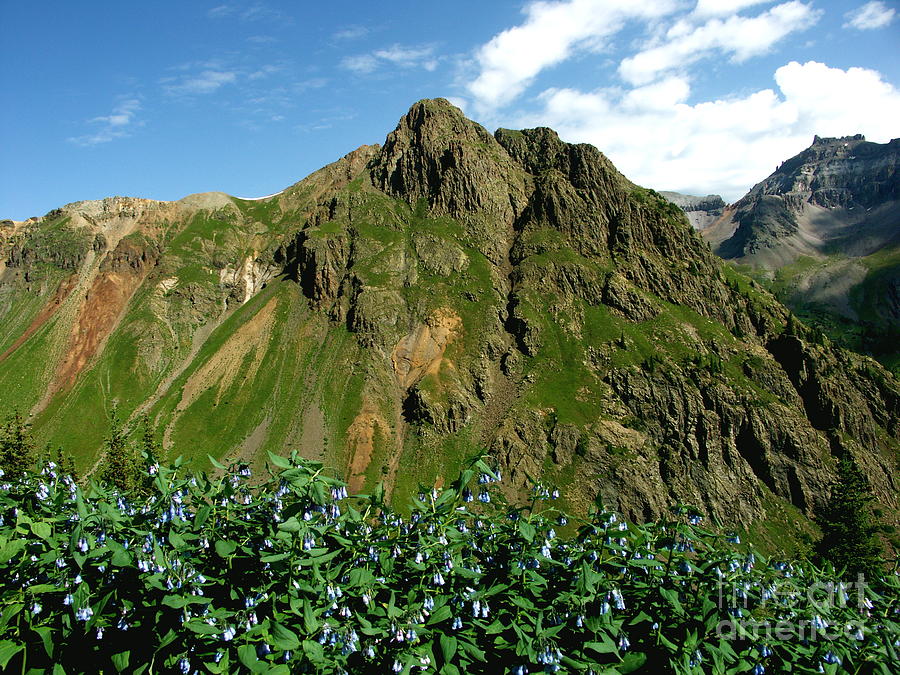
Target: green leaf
(202, 515)
(448, 647)
(8, 649)
(42, 529)
(672, 597)
(290, 525)
(180, 601)
(607, 646)
(120, 660)
(440, 614)
(201, 627)
(527, 530)
(9, 612)
(46, 634)
(225, 548)
(632, 661)
(11, 548)
(283, 637)
(121, 558)
(472, 650)
(313, 651)
(247, 656)
(309, 619)
(221, 467)
(280, 462)
(176, 540)
(43, 588)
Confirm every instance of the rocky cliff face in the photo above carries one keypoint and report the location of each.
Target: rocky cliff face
(701, 211)
(840, 193)
(454, 290)
(825, 227)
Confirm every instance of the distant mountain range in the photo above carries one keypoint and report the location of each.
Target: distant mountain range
(824, 231)
(447, 291)
(701, 211)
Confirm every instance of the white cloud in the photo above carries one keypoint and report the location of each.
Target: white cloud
(396, 55)
(220, 11)
(726, 145)
(408, 57)
(351, 33)
(741, 37)
(264, 71)
(113, 126)
(362, 63)
(552, 31)
(254, 12)
(870, 16)
(205, 82)
(724, 7)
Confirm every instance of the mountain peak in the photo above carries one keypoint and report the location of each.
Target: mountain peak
(436, 153)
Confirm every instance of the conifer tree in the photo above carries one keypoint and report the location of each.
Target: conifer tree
(849, 529)
(65, 462)
(17, 452)
(121, 466)
(150, 447)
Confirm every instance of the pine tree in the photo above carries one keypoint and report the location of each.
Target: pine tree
(849, 529)
(17, 452)
(150, 447)
(66, 463)
(121, 466)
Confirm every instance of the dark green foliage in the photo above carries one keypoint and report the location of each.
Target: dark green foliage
(849, 529)
(209, 574)
(121, 465)
(17, 452)
(151, 450)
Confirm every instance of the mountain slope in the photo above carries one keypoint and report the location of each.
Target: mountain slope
(700, 211)
(448, 290)
(825, 228)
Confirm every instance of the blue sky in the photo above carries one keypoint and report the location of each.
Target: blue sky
(164, 99)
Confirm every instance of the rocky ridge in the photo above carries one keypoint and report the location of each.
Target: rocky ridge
(454, 289)
(700, 211)
(824, 230)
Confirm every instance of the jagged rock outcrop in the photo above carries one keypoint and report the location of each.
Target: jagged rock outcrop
(701, 211)
(454, 290)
